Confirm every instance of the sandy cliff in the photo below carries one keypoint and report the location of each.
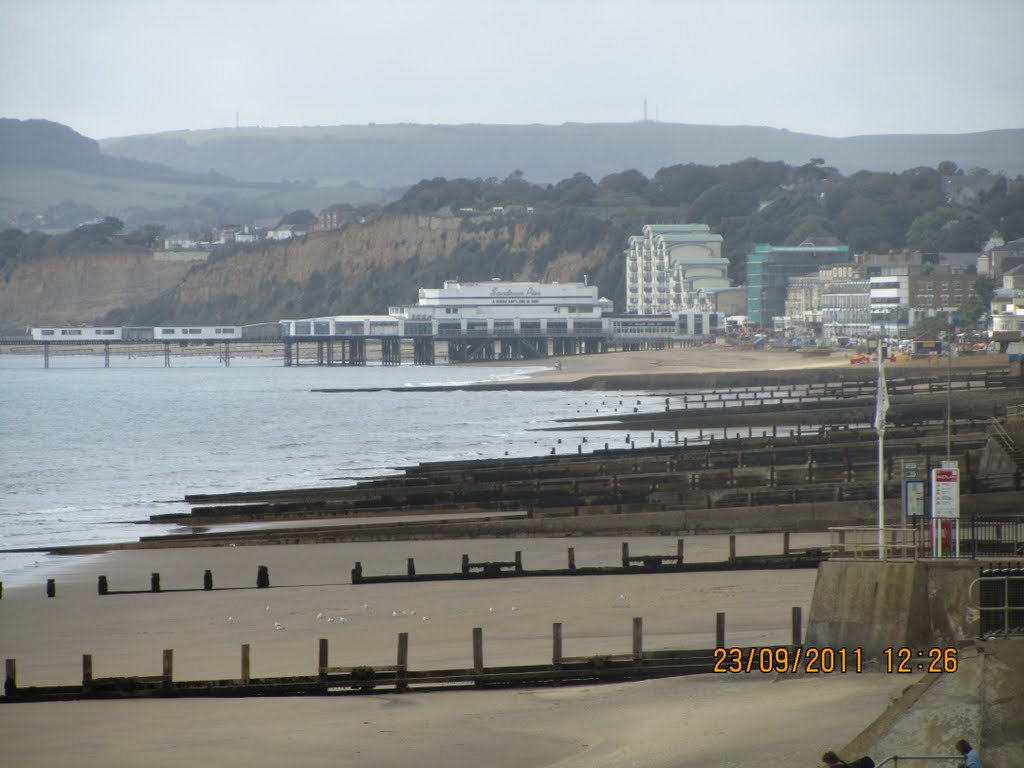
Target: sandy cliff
(362, 268)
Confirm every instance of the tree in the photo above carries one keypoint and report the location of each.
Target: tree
(930, 327)
(303, 218)
(630, 182)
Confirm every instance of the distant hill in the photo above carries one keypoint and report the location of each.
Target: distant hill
(45, 144)
(54, 179)
(400, 155)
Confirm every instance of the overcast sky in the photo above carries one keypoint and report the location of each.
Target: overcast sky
(833, 67)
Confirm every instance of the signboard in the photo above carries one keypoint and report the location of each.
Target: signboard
(946, 493)
(914, 497)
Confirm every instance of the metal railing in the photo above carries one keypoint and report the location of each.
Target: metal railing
(861, 542)
(1000, 600)
(967, 537)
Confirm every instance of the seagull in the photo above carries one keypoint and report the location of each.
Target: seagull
(394, 614)
(330, 621)
(231, 619)
(366, 606)
(491, 609)
(267, 608)
(278, 625)
(426, 618)
(412, 613)
(319, 617)
(514, 608)
(622, 597)
(341, 619)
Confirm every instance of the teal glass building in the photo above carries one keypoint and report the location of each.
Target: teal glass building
(770, 266)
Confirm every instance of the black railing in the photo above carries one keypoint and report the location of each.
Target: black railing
(1001, 599)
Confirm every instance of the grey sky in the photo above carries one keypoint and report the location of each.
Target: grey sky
(833, 67)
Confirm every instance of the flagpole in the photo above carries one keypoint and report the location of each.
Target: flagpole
(881, 406)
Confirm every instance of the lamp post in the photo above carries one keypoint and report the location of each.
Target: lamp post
(950, 333)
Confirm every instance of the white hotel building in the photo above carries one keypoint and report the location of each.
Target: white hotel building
(674, 267)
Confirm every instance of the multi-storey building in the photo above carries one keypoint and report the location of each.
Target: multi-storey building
(673, 267)
(770, 267)
(1008, 308)
(844, 302)
(889, 300)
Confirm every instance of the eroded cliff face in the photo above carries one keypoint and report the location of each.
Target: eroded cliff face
(81, 289)
(363, 268)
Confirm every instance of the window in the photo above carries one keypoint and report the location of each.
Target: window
(71, 332)
(192, 330)
(48, 332)
(225, 330)
(104, 331)
(167, 331)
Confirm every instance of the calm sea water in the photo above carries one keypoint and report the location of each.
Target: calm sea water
(87, 450)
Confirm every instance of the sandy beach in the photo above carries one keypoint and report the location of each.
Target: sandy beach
(735, 720)
(709, 359)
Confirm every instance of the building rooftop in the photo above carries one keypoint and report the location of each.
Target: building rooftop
(691, 237)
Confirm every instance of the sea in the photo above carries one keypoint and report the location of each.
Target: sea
(88, 453)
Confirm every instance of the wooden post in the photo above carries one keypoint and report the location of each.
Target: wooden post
(478, 650)
(519, 561)
(11, 677)
(262, 577)
(168, 672)
(679, 550)
(403, 661)
(625, 554)
(154, 582)
(732, 547)
(410, 567)
(322, 664)
(207, 580)
(719, 630)
(798, 626)
(101, 585)
(556, 645)
(357, 573)
(51, 587)
(245, 664)
(465, 563)
(785, 543)
(638, 639)
(572, 558)
(86, 671)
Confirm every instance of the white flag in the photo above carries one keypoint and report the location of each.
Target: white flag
(882, 405)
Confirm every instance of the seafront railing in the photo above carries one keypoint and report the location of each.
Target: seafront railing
(970, 537)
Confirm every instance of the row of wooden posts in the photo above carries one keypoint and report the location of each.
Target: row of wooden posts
(367, 677)
(799, 432)
(467, 567)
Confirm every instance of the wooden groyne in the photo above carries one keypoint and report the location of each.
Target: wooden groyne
(638, 664)
(718, 472)
(631, 564)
